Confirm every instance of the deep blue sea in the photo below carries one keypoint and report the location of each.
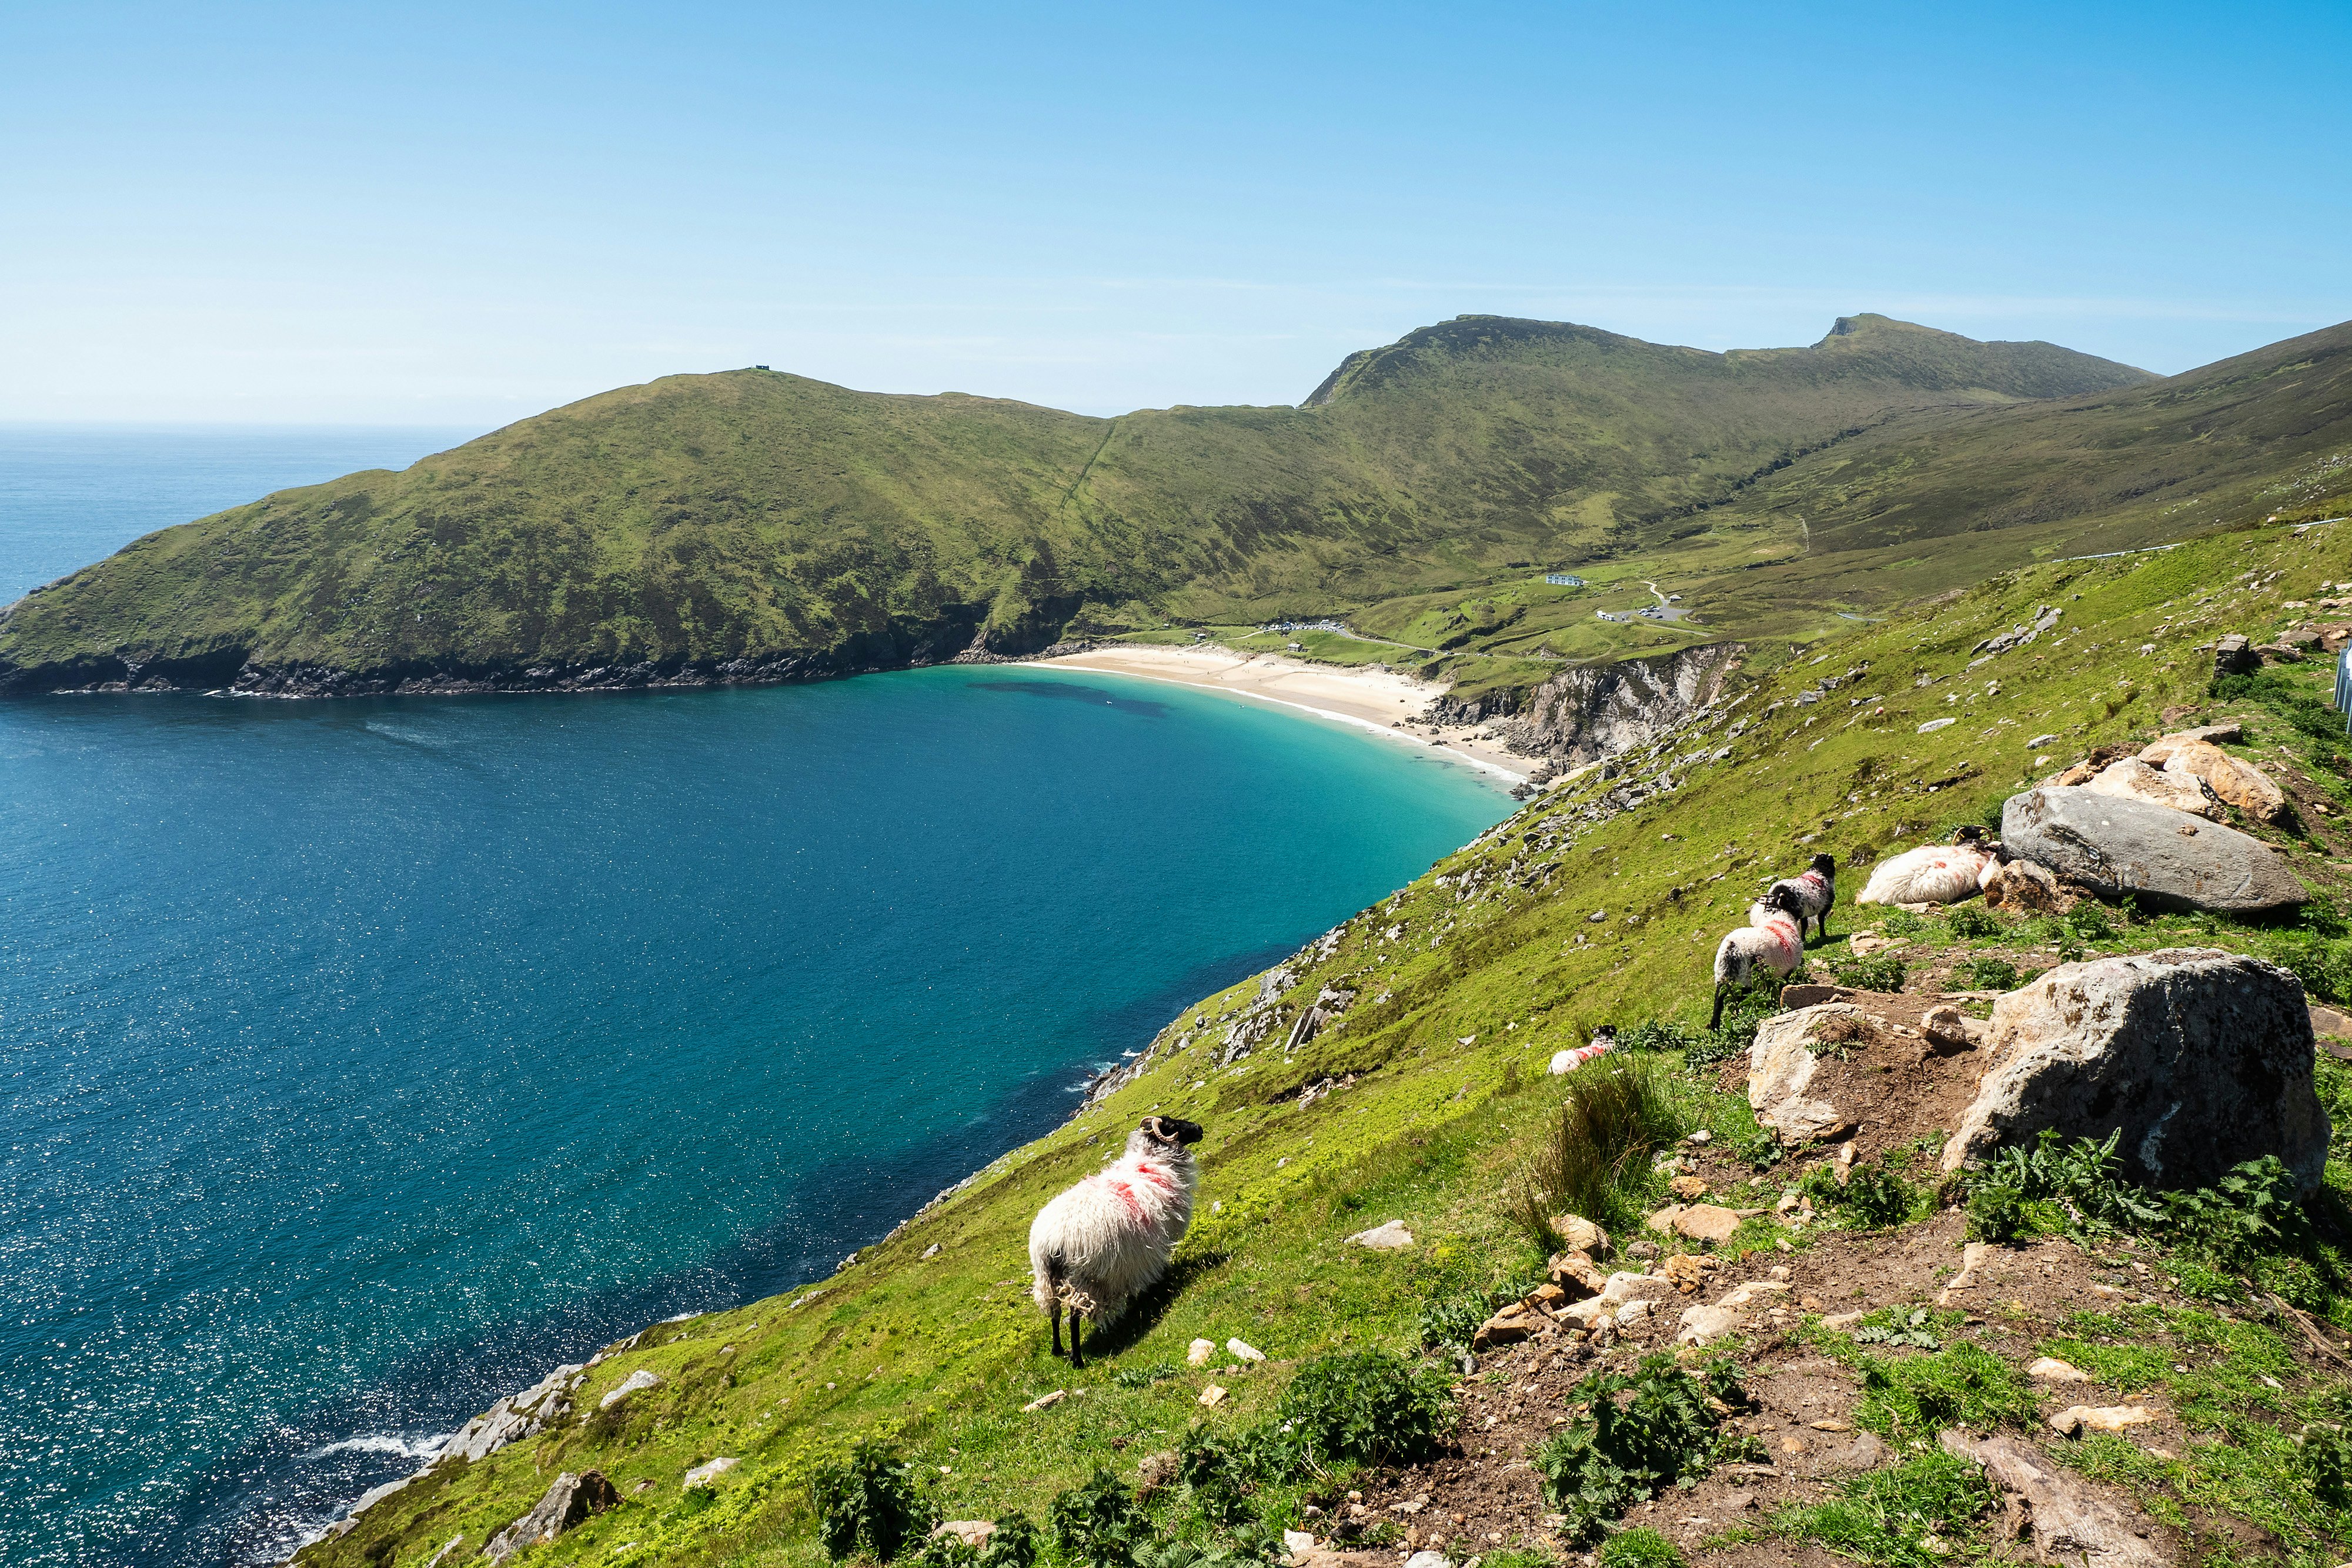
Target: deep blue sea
(364, 1059)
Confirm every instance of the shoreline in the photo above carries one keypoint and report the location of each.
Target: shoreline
(1369, 697)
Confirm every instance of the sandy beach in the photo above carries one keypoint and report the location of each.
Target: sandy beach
(1374, 698)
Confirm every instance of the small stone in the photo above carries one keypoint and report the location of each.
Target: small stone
(1244, 1352)
(1701, 1136)
(1862, 943)
(1704, 1325)
(1046, 1401)
(1212, 1397)
(1389, 1238)
(2049, 1369)
(635, 1382)
(1429, 1559)
(1581, 1235)
(1707, 1222)
(1688, 1188)
(1841, 1322)
(1831, 1425)
(1199, 1351)
(2077, 1419)
(974, 1532)
(1946, 1028)
(1298, 1540)
(703, 1474)
(1576, 1275)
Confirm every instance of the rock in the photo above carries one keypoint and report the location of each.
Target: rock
(2171, 861)
(1199, 1350)
(2133, 780)
(1509, 1326)
(2022, 885)
(1581, 1235)
(1862, 944)
(1045, 1402)
(1686, 1272)
(571, 1500)
(1244, 1352)
(1429, 1559)
(636, 1381)
(2228, 732)
(1688, 1188)
(1946, 1028)
(2280, 652)
(1632, 1312)
(2077, 1419)
(1575, 1275)
(2070, 1520)
(2049, 1369)
(1707, 1222)
(974, 1532)
(2329, 1023)
(1389, 1238)
(2235, 655)
(1212, 1397)
(1973, 1256)
(2231, 778)
(2201, 1058)
(709, 1470)
(1841, 1322)
(517, 1415)
(1704, 1325)
(1781, 1067)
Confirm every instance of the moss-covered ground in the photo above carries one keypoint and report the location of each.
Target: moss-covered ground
(1580, 909)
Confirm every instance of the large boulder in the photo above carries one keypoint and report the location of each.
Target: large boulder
(2132, 779)
(2170, 860)
(568, 1503)
(2231, 779)
(1781, 1067)
(2201, 1058)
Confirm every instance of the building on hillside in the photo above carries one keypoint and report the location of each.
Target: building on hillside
(1563, 579)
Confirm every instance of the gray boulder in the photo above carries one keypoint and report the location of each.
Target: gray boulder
(2201, 1058)
(2234, 656)
(2114, 845)
(569, 1502)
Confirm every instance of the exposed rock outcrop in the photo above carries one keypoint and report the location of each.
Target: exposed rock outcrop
(2069, 1519)
(1593, 711)
(2202, 1059)
(568, 1503)
(2115, 846)
(517, 1416)
(1781, 1067)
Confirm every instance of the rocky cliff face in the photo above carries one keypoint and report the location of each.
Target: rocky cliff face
(1594, 711)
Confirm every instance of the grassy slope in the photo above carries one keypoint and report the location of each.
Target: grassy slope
(1497, 965)
(748, 514)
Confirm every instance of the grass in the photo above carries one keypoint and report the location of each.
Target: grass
(937, 1355)
(1920, 1513)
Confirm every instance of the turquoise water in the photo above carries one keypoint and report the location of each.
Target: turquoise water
(366, 1059)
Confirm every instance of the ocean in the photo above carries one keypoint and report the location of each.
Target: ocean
(364, 1060)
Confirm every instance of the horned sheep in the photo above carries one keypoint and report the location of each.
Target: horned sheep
(1105, 1240)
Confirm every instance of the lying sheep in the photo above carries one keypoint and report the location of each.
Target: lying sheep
(1772, 939)
(1106, 1240)
(1816, 890)
(1935, 874)
(1604, 1040)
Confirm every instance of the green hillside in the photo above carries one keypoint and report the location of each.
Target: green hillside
(1432, 1108)
(755, 525)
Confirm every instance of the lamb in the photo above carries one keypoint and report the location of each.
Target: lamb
(1935, 874)
(1106, 1240)
(1772, 939)
(1816, 890)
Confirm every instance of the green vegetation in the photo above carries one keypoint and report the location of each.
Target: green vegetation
(938, 1352)
(758, 517)
(1920, 1513)
(1618, 1452)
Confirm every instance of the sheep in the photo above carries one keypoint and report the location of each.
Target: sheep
(1105, 1240)
(1935, 874)
(1772, 939)
(1816, 890)
(1604, 1040)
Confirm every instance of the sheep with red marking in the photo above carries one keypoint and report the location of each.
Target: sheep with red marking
(1935, 874)
(1816, 890)
(1106, 1239)
(1772, 940)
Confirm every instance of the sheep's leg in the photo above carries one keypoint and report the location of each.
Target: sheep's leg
(1823, 924)
(1077, 1355)
(1053, 1316)
(1715, 1019)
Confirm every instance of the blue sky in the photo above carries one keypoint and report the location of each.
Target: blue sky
(467, 214)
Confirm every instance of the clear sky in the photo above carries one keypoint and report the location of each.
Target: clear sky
(420, 214)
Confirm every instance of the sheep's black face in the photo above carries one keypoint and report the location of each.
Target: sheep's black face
(1825, 864)
(1172, 1129)
(1783, 899)
(1971, 834)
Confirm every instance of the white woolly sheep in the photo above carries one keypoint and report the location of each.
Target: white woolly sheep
(1772, 939)
(1935, 874)
(1106, 1240)
(1816, 890)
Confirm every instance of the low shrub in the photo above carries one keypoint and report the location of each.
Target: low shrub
(1618, 1452)
(1369, 1406)
(1014, 1545)
(1098, 1524)
(2322, 1454)
(1996, 1213)
(1972, 922)
(868, 1503)
(1878, 972)
(1985, 973)
(1902, 922)
(1873, 1197)
(2255, 1209)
